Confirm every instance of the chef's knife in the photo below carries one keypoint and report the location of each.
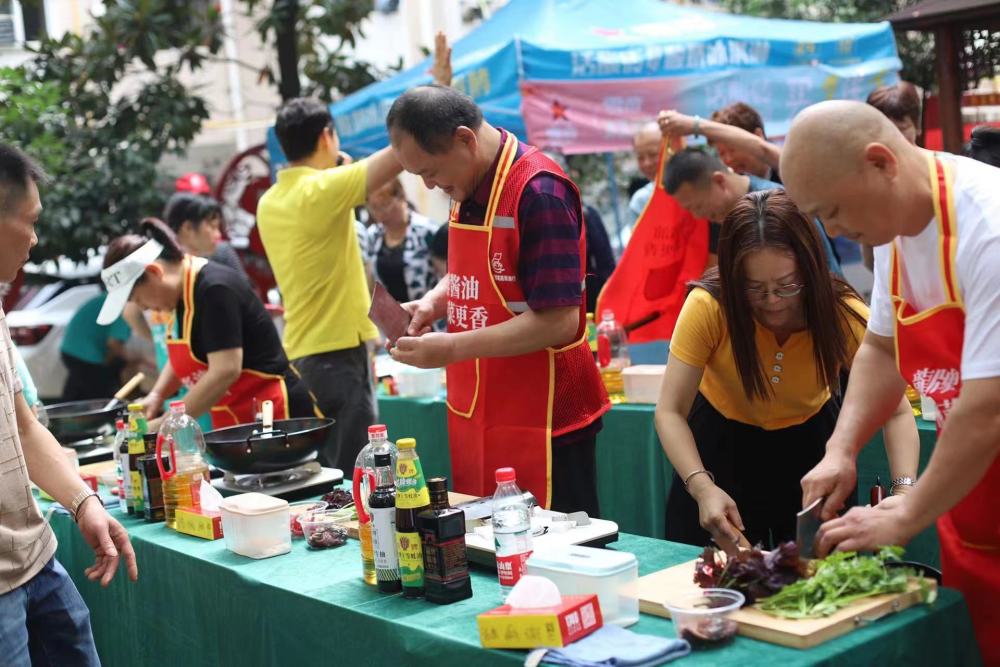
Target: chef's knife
(807, 523)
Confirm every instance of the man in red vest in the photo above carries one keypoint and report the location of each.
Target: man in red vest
(523, 389)
(934, 221)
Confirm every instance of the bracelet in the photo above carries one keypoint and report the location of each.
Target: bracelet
(696, 472)
(696, 131)
(901, 481)
(80, 499)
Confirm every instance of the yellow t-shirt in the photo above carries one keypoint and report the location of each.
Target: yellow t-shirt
(700, 339)
(306, 221)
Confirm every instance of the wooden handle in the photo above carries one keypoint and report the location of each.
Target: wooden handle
(130, 386)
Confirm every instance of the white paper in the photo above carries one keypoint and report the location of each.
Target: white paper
(210, 498)
(532, 592)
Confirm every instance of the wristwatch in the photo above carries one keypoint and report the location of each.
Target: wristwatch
(901, 481)
(78, 500)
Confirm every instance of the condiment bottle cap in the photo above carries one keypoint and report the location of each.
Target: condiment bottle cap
(135, 406)
(377, 429)
(406, 443)
(505, 475)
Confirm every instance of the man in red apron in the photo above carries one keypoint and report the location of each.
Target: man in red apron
(935, 324)
(523, 389)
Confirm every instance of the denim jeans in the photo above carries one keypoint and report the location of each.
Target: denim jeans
(46, 623)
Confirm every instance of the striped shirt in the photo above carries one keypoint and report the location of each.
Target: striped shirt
(549, 227)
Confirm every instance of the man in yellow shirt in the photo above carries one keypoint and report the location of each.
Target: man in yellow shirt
(307, 224)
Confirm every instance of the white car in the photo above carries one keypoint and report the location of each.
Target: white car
(51, 295)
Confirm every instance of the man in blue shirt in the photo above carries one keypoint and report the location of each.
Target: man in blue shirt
(94, 354)
(703, 185)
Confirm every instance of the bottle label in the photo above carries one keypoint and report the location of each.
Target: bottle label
(384, 543)
(365, 537)
(446, 561)
(513, 550)
(411, 488)
(411, 559)
(137, 427)
(136, 490)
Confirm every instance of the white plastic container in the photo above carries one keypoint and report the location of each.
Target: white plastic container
(418, 382)
(642, 383)
(584, 570)
(256, 525)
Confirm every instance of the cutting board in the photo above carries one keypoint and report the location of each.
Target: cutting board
(654, 589)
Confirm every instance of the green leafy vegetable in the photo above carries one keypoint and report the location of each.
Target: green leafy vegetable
(840, 579)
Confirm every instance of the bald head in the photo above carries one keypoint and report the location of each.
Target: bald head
(846, 156)
(832, 136)
(646, 143)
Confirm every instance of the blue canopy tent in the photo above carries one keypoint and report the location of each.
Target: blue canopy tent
(579, 75)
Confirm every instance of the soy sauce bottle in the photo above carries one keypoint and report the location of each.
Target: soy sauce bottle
(446, 566)
(412, 498)
(382, 508)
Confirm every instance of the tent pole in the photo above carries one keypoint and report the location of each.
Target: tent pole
(609, 161)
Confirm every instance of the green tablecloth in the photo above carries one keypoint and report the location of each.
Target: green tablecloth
(198, 604)
(634, 474)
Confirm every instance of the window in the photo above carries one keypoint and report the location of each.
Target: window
(21, 21)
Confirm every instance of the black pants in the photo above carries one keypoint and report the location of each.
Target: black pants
(574, 477)
(760, 470)
(85, 380)
(340, 382)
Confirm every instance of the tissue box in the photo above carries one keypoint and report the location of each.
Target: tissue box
(207, 525)
(575, 618)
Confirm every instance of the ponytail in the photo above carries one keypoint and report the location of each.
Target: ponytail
(156, 229)
(149, 228)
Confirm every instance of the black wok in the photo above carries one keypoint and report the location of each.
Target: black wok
(244, 449)
(79, 420)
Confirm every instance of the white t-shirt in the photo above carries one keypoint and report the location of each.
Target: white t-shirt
(977, 208)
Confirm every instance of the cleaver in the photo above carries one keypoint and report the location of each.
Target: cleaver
(390, 317)
(807, 523)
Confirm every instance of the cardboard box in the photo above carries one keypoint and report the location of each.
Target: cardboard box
(575, 618)
(206, 525)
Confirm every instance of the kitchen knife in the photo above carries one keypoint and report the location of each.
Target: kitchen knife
(807, 523)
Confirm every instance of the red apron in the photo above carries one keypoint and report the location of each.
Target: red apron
(237, 405)
(503, 411)
(668, 248)
(929, 354)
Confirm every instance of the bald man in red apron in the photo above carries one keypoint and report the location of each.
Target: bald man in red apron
(935, 318)
(523, 389)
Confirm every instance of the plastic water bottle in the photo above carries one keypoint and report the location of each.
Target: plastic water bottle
(511, 529)
(612, 353)
(120, 451)
(364, 484)
(181, 435)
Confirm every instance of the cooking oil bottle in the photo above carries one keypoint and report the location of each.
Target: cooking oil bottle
(183, 440)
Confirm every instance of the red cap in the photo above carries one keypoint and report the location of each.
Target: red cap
(174, 404)
(377, 429)
(505, 475)
(119, 424)
(193, 182)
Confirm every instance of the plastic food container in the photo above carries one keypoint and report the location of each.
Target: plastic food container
(329, 521)
(418, 382)
(611, 575)
(299, 509)
(642, 383)
(256, 525)
(703, 617)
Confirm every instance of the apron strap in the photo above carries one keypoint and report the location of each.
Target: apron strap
(942, 180)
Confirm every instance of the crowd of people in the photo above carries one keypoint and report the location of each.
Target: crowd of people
(778, 371)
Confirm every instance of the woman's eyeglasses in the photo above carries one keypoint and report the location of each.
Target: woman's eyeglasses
(782, 292)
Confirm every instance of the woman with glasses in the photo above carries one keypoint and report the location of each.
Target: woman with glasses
(752, 387)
